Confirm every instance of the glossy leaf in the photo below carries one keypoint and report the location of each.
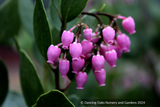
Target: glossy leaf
(9, 20)
(30, 82)
(26, 15)
(42, 31)
(70, 9)
(3, 82)
(54, 16)
(53, 98)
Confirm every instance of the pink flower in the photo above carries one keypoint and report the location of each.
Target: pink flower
(75, 50)
(128, 43)
(86, 47)
(88, 33)
(111, 58)
(63, 67)
(94, 40)
(122, 41)
(103, 48)
(117, 49)
(53, 53)
(100, 77)
(81, 79)
(108, 34)
(67, 38)
(129, 25)
(88, 56)
(56, 62)
(77, 65)
(98, 62)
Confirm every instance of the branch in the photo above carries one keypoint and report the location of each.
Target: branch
(94, 15)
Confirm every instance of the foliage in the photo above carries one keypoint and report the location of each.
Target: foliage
(31, 28)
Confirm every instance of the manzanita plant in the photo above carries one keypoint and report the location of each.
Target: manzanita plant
(109, 45)
(73, 53)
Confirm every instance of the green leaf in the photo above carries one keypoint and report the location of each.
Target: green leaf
(54, 15)
(26, 15)
(9, 20)
(30, 83)
(70, 9)
(42, 31)
(3, 82)
(53, 98)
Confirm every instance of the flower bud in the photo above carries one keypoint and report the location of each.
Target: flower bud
(81, 79)
(108, 34)
(111, 58)
(67, 38)
(98, 62)
(53, 53)
(56, 62)
(75, 50)
(63, 67)
(118, 50)
(77, 65)
(88, 56)
(94, 40)
(128, 43)
(100, 77)
(88, 33)
(129, 25)
(122, 41)
(103, 49)
(86, 47)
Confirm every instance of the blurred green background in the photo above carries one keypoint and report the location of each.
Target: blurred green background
(137, 74)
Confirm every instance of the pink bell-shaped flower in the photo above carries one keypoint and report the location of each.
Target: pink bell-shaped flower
(75, 50)
(63, 67)
(88, 33)
(128, 43)
(129, 25)
(117, 49)
(81, 79)
(88, 56)
(86, 47)
(98, 61)
(103, 49)
(94, 39)
(53, 53)
(108, 34)
(100, 77)
(77, 65)
(67, 39)
(56, 62)
(122, 41)
(111, 57)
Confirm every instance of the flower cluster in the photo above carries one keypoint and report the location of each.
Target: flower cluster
(106, 43)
